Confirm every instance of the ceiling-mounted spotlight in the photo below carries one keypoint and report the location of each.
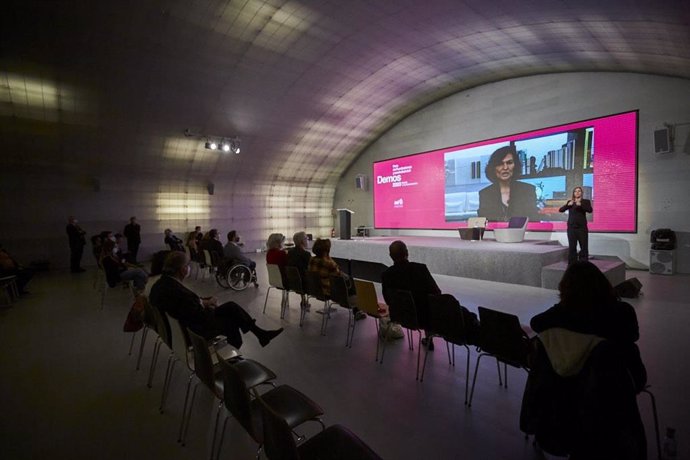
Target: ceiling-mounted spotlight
(225, 147)
(212, 145)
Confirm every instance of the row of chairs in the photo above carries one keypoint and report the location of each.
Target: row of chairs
(311, 288)
(269, 417)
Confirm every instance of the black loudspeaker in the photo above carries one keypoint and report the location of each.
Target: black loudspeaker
(629, 289)
(210, 187)
(361, 182)
(662, 140)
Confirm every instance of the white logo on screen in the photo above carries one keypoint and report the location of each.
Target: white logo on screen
(398, 203)
(388, 179)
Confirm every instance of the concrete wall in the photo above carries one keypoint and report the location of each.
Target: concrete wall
(529, 103)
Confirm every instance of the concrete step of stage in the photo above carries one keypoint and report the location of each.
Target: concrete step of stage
(611, 266)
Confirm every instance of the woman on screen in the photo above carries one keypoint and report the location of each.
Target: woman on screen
(577, 208)
(506, 196)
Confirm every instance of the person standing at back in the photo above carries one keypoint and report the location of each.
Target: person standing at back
(409, 276)
(133, 234)
(77, 241)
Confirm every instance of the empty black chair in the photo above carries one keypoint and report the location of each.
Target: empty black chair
(290, 403)
(402, 310)
(447, 321)
(501, 336)
(334, 443)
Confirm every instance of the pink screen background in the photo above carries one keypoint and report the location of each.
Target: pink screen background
(422, 176)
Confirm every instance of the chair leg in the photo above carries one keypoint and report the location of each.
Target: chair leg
(172, 360)
(385, 341)
(419, 352)
(498, 367)
(215, 429)
(326, 316)
(426, 354)
(188, 418)
(350, 328)
(303, 311)
(154, 360)
(131, 343)
(656, 421)
(144, 334)
(378, 338)
(474, 379)
(266, 300)
(222, 437)
(467, 375)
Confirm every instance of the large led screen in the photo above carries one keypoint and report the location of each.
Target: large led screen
(529, 174)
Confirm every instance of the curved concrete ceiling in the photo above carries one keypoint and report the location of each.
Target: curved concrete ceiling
(306, 85)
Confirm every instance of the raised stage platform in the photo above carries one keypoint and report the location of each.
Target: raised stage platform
(539, 263)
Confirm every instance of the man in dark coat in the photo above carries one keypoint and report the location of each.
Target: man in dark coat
(133, 234)
(77, 240)
(202, 315)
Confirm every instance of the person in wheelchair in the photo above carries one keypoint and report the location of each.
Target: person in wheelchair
(233, 252)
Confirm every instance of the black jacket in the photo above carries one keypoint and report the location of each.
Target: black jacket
(523, 202)
(577, 215)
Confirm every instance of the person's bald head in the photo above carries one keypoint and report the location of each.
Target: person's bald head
(398, 251)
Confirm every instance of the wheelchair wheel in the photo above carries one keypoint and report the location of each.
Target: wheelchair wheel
(238, 277)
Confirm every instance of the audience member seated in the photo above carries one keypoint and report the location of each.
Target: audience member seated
(199, 235)
(233, 251)
(211, 243)
(117, 269)
(202, 315)
(10, 267)
(299, 257)
(275, 253)
(588, 340)
(326, 267)
(193, 247)
(410, 276)
(173, 241)
(97, 248)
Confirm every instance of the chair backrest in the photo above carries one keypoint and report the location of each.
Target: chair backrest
(403, 310)
(344, 265)
(366, 270)
(502, 336)
(208, 260)
(275, 279)
(162, 326)
(179, 341)
(314, 286)
(203, 363)
(339, 293)
(294, 279)
(237, 399)
(518, 222)
(367, 300)
(446, 318)
(279, 443)
(479, 222)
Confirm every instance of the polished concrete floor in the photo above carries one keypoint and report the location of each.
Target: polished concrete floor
(68, 388)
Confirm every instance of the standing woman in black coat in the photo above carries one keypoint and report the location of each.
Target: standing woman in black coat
(577, 208)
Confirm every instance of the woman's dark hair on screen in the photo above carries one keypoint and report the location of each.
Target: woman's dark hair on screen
(497, 157)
